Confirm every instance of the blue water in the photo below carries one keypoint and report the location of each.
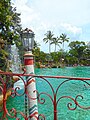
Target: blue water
(70, 88)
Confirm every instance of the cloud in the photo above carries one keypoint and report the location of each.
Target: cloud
(55, 15)
(28, 15)
(68, 11)
(72, 12)
(71, 28)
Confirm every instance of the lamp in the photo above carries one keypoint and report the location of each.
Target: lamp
(27, 37)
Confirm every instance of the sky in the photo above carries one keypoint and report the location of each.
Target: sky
(71, 17)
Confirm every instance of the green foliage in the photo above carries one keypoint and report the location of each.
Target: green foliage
(49, 37)
(9, 22)
(77, 49)
(63, 38)
(9, 29)
(56, 41)
(79, 54)
(3, 59)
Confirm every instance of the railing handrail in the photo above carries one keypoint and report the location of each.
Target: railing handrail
(53, 97)
(43, 76)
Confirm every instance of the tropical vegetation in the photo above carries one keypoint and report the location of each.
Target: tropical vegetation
(49, 38)
(10, 28)
(78, 54)
(9, 31)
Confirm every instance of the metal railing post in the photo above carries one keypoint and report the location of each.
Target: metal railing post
(55, 108)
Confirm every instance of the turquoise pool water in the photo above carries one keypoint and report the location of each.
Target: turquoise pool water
(72, 89)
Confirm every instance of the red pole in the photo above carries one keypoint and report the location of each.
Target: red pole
(4, 101)
(55, 108)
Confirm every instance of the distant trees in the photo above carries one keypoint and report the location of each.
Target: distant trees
(77, 49)
(56, 41)
(79, 52)
(49, 37)
(63, 38)
(10, 28)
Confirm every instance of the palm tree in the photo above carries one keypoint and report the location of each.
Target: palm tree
(56, 41)
(64, 38)
(36, 44)
(49, 37)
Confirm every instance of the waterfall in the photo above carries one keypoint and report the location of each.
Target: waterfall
(16, 63)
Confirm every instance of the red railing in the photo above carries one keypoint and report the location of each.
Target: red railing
(6, 83)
